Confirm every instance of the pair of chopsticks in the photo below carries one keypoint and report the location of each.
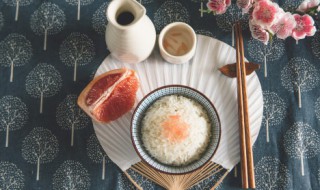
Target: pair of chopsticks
(247, 166)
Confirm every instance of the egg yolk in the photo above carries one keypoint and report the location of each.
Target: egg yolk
(175, 129)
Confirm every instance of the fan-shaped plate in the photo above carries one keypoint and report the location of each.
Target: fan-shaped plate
(200, 73)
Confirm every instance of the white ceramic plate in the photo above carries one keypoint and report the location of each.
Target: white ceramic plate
(200, 73)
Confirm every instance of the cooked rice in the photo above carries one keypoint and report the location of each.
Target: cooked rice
(182, 152)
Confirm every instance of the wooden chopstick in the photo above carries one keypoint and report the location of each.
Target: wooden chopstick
(250, 163)
(247, 166)
(244, 169)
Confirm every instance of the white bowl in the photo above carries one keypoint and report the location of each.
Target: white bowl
(139, 114)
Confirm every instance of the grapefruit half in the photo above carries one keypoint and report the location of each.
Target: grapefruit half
(110, 95)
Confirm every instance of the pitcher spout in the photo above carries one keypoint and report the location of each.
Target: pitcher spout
(124, 13)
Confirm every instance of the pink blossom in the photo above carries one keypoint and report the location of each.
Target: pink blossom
(264, 13)
(228, 3)
(218, 6)
(305, 27)
(259, 33)
(284, 26)
(245, 5)
(307, 4)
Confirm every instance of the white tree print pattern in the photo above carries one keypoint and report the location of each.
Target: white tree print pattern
(271, 174)
(43, 81)
(202, 6)
(143, 182)
(210, 182)
(262, 53)
(299, 76)
(97, 154)
(40, 146)
(317, 22)
(70, 116)
(205, 33)
(317, 108)
(79, 3)
(48, 19)
(11, 177)
(99, 19)
(17, 4)
(302, 141)
(233, 14)
(13, 115)
(1, 20)
(124, 183)
(315, 45)
(15, 50)
(319, 175)
(291, 5)
(143, 2)
(71, 175)
(170, 11)
(274, 109)
(76, 50)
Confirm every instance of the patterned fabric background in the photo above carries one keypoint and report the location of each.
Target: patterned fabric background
(47, 142)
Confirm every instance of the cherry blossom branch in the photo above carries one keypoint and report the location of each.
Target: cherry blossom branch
(267, 19)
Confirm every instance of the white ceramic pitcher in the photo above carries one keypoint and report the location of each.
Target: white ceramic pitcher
(130, 34)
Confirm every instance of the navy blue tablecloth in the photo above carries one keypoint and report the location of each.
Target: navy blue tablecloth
(46, 142)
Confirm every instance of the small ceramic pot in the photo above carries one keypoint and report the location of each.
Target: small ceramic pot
(177, 42)
(130, 34)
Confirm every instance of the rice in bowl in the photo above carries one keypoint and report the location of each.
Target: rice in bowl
(176, 130)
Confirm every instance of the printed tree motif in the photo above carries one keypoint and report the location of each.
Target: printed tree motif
(170, 11)
(299, 76)
(143, 2)
(48, 19)
(291, 5)
(235, 171)
(11, 177)
(143, 182)
(96, 153)
(233, 14)
(71, 175)
(274, 109)
(317, 22)
(319, 175)
(78, 3)
(40, 146)
(124, 183)
(271, 174)
(260, 52)
(1, 20)
(302, 141)
(99, 19)
(317, 108)
(227, 20)
(315, 45)
(205, 33)
(43, 81)
(15, 50)
(202, 6)
(76, 50)
(13, 115)
(92, 74)
(210, 182)
(70, 116)
(17, 4)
